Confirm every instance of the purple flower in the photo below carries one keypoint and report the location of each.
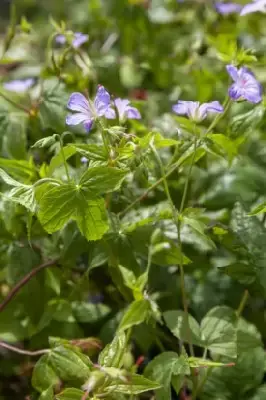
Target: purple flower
(19, 85)
(196, 111)
(87, 112)
(84, 160)
(245, 85)
(228, 8)
(256, 5)
(78, 40)
(124, 109)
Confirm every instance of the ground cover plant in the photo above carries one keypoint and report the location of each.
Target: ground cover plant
(133, 200)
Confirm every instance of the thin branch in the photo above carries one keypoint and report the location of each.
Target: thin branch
(23, 352)
(25, 280)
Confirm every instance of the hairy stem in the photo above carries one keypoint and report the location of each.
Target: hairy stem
(25, 280)
(242, 304)
(64, 158)
(13, 103)
(23, 352)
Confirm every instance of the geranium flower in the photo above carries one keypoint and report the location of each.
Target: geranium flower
(256, 5)
(19, 85)
(245, 85)
(87, 112)
(78, 40)
(228, 8)
(196, 111)
(124, 109)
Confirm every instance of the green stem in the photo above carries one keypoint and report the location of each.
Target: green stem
(19, 106)
(64, 159)
(242, 304)
(177, 221)
(226, 105)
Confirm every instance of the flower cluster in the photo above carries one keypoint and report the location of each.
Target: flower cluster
(78, 40)
(245, 87)
(87, 112)
(230, 8)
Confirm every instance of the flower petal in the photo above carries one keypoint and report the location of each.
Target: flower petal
(75, 119)
(121, 105)
(212, 107)
(259, 5)
(79, 39)
(60, 39)
(232, 71)
(19, 85)
(102, 101)
(78, 102)
(228, 8)
(235, 92)
(133, 113)
(110, 113)
(88, 124)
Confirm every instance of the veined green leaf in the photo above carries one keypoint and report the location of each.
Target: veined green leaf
(43, 375)
(98, 180)
(136, 384)
(137, 312)
(63, 203)
(112, 354)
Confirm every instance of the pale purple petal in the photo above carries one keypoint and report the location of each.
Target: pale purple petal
(232, 71)
(212, 107)
(102, 101)
(228, 8)
(121, 105)
(84, 160)
(88, 124)
(60, 39)
(19, 85)
(110, 113)
(79, 39)
(235, 92)
(246, 87)
(133, 113)
(75, 119)
(259, 5)
(78, 102)
(184, 107)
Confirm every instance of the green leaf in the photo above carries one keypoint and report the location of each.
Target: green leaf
(91, 151)
(91, 218)
(224, 143)
(247, 121)
(248, 336)
(137, 312)
(25, 196)
(88, 312)
(98, 180)
(63, 203)
(157, 139)
(167, 253)
(45, 142)
(19, 169)
(235, 382)
(69, 364)
(112, 354)
(176, 322)
(15, 139)
(217, 331)
(195, 362)
(136, 384)
(261, 208)
(162, 369)
(70, 394)
(260, 393)
(47, 394)
(58, 159)
(43, 376)
(9, 180)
